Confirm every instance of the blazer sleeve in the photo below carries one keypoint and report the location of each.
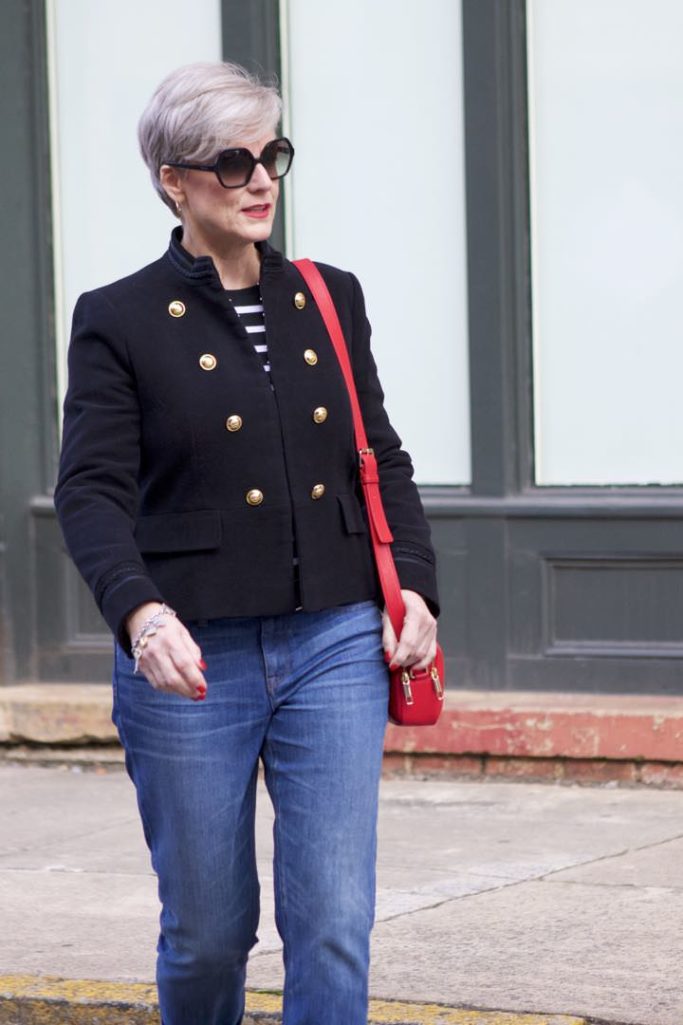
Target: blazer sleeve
(412, 549)
(96, 496)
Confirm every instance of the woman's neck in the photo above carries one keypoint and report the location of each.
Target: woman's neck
(238, 266)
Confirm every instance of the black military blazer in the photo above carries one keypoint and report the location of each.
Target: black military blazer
(155, 493)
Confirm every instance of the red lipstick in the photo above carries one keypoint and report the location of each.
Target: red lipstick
(260, 211)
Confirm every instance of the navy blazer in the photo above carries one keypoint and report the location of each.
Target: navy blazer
(152, 490)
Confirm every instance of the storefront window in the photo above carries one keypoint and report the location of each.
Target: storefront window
(606, 123)
(375, 106)
(106, 59)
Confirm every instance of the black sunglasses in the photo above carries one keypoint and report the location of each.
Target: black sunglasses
(234, 167)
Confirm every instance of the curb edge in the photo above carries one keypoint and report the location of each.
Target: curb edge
(52, 1000)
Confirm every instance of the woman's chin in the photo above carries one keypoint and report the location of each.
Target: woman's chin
(258, 231)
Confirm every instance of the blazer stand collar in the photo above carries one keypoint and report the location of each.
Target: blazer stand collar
(202, 270)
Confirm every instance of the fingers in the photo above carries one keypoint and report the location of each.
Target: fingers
(171, 661)
(189, 676)
(417, 643)
(389, 641)
(427, 660)
(162, 673)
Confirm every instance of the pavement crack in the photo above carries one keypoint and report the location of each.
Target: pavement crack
(609, 857)
(63, 870)
(617, 886)
(54, 840)
(451, 900)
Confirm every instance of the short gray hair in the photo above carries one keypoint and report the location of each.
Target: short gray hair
(200, 109)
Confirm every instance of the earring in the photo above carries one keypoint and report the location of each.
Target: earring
(178, 209)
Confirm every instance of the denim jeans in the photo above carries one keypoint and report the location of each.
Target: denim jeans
(307, 694)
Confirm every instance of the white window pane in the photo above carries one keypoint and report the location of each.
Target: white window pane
(606, 78)
(377, 187)
(107, 57)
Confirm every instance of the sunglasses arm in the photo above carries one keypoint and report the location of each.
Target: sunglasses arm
(189, 167)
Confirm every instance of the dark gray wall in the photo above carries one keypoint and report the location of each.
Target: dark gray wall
(251, 37)
(27, 389)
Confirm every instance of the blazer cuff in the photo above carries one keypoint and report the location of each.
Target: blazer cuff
(419, 576)
(121, 598)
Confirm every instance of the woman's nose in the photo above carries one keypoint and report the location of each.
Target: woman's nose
(260, 179)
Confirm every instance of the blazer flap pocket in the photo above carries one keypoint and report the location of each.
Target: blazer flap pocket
(352, 513)
(179, 532)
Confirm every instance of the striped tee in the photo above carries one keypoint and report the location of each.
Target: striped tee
(248, 306)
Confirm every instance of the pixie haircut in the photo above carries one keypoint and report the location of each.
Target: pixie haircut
(200, 109)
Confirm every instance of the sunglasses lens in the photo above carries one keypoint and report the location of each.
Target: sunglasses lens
(235, 167)
(277, 157)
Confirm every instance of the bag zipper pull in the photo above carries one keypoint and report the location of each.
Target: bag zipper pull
(407, 690)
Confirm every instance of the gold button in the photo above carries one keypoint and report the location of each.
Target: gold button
(208, 361)
(299, 300)
(318, 491)
(254, 497)
(311, 357)
(176, 308)
(234, 422)
(320, 414)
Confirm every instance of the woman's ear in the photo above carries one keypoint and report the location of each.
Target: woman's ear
(172, 183)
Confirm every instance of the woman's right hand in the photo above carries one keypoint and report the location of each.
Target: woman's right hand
(171, 660)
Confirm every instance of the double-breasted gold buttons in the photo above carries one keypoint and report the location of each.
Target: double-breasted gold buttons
(176, 308)
(311, 357)
(299, 300)
(234, 422)
(208, 361)
(254, 497)
(317, 491)
(320, 414)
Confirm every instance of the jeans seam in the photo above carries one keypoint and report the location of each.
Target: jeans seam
(278, 866)
(129, 755)
(115, 687)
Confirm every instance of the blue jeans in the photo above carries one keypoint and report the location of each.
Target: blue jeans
(307, 693)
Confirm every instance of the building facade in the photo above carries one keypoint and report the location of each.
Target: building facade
(514, 164)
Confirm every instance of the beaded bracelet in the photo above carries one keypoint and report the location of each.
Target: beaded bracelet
(148, 629)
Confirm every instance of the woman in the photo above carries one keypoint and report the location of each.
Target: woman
(208, 493)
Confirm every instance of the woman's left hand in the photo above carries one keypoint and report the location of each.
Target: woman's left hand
(416, 646)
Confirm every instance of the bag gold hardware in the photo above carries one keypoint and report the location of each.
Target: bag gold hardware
(437, 683)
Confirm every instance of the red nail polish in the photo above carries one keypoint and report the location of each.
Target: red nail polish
(202, 664)
(393, 667)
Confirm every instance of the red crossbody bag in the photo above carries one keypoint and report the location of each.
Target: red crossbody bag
(415, 696)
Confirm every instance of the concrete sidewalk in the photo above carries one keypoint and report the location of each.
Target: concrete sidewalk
(542, 903)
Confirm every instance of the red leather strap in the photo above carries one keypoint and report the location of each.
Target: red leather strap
(380, 533)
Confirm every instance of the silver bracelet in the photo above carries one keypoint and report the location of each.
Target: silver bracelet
(148, 629)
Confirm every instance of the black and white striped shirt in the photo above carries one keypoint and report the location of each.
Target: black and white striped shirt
(248, 306)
